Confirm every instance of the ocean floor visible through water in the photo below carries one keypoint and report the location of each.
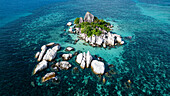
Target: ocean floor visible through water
(144, 59)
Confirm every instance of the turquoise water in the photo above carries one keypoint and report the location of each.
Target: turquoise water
(144, 59)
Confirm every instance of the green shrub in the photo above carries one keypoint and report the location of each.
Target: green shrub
(98, 32)
(90, 28)
(76, 21)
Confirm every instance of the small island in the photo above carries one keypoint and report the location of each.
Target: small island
(96, 32)
(91, 29)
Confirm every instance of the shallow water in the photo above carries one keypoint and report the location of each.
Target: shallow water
(144, 59)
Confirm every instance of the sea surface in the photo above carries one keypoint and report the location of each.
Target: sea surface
(26, 25)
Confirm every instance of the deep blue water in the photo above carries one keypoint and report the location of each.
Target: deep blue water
(144, 60)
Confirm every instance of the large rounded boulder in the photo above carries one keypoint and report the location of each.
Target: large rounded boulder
(97, 67)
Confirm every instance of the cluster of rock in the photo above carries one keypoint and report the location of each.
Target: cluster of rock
(63, 65)
(105, 39)
(47, 54)
(86, 60)
(50, 76)
(66, 56)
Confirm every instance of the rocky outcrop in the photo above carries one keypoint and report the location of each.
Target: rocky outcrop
(86, 39)
(80, 20)
(79, 58)
(63, 65)
(105, 39)
(41, 66)
(88, 59)
(43, 50)
(83, 62)
(69, 24)
(104, 45)
(56, 47)
(122, 42)
(66, 56)
(48, 76)
(88, 17)
(69, 49)
(84, 59)
(78, 30)
(99, 41)
(50, 44)
(51, 53)
(93, 39)
(70, 30)
(97, 67)
(37, 54)
(83, 36)
(89, 39)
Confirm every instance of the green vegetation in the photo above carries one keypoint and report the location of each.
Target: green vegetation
(76, 21)
(92, 28)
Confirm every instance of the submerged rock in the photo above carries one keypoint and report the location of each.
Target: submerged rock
(41, 66)
(75, 53)
(104, 80)
(55, 80)
(112, 71)
(97, 67)
(54, 67)
(69, 49)
(66, 56)
(32, 84)
(43, 49)
(129, 81)
(63, 65)
(76, 41)
(107, 75)
(48, 76)
(75, 70)
(110, 65)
